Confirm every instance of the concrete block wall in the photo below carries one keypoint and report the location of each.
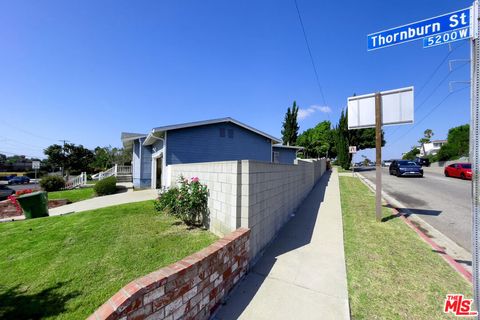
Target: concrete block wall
(252, 194)
(271, 193)
(222, 179)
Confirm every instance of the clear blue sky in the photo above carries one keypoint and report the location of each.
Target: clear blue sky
(87, 70)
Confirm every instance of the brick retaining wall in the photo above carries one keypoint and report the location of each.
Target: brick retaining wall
(191, 288)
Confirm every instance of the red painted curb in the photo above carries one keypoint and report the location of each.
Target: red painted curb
(454, 264)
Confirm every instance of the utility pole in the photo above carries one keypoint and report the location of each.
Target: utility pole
(378, 161)
(475, 150)
(63, 152)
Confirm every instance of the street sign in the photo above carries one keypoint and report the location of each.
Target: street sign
(425, 28)
(446, 37)
(397, 108)
(35, 164)
(352, 149)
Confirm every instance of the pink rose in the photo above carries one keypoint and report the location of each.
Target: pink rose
(195, 179)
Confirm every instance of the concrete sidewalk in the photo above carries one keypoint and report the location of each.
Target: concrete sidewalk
(105, 201)
(302, 274)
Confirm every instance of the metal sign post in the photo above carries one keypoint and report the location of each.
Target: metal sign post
(352, 150)
(35, 166)
(475, 150)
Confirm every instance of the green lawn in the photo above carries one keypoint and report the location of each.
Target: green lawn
(73, 195)
(65, 267)
(391, 272)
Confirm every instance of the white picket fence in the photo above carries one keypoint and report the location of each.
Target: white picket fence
(75, 182)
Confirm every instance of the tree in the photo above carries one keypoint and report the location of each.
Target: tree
(74, 159)
(341, 142)
(410, 155)
(457, 145)
(427, 135)
(290, 126)
(107, 157)
(318, 141)
(361, 138)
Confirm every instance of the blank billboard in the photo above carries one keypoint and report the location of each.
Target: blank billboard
(397, 108)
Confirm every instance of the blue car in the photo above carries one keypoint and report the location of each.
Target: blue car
(404, 168)
(19, 180)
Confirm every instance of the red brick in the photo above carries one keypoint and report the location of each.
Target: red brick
(106, 312)
(133, 288)
(163, 301)
(133, 305)
(140, 314)
(119, 301)
(147, 283)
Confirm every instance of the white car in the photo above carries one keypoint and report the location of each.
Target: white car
(387, 163)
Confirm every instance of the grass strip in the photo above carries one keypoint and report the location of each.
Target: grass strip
(391, 272)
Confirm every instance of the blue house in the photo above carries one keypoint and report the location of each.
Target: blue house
(203, 141)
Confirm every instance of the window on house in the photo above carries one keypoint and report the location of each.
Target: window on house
(276, 157)
(222, 132)
(230, 133)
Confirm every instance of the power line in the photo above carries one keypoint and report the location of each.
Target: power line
(429, 113)
(27, 132)
(310, 54)
(438, 68)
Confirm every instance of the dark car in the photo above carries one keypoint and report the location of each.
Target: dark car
(423, 162)
(5, 192)
(403, 168)
(19, 180)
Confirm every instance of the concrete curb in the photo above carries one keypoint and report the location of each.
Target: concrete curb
(448, 250)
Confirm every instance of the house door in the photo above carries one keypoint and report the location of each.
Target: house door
(158, 177)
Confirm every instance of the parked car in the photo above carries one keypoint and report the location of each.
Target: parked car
(19, 180)
(387, 163)
(5, 192)
(402, 168)
(423, 162)
(459, 170)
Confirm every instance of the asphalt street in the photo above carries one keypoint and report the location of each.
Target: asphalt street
(444, 203)
(18, 187)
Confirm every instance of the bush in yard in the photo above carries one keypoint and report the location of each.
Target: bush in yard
(188, 202)
(167, 201)
(52, 183)
(106, 186)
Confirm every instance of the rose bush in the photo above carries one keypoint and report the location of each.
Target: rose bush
(188, 202)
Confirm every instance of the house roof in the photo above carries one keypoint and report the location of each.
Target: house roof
(153, 135)
(288, 147)
(128, 138)
(433, 141)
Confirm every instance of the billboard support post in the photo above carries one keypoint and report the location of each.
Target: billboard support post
(378, 158)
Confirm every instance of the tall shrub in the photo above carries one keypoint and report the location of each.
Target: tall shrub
(188, 202)
(52, 183)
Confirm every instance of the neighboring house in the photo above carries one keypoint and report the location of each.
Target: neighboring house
(431, 148)
(203, 141)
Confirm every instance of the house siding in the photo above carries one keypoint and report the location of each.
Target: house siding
(286, 156)
(142, 164)
(205, 144)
